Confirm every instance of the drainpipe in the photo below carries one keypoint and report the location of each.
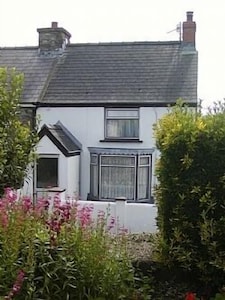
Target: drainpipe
(155, 156)
(34, 124)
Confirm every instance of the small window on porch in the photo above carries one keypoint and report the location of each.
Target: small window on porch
(47, 172)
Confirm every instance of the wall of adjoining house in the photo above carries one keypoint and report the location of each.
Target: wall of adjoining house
(87, 125)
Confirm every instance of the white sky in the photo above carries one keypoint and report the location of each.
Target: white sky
(125, 20)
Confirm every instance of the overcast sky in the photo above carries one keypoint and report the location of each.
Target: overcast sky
(125, 20)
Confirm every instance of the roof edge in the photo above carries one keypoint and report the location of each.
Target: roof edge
(126, 43)
(115, 104)
(44, 131)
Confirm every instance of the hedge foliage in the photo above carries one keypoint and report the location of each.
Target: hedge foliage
(191, 190)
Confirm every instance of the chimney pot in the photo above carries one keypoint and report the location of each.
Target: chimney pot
(54, 24)
(189, 16)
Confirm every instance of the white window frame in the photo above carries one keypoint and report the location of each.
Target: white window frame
(118, 117)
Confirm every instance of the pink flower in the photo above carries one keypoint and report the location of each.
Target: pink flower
(10, 195)
(84, 215)
(112, 223)
(27, 204)
(16, 286)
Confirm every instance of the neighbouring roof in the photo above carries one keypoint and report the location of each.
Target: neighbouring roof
(36, 69)
(62, 138)
(145, 73)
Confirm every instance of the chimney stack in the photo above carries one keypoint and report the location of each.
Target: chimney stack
(53, 40)
(189, 29)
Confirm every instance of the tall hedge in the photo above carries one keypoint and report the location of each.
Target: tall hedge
(191, 189)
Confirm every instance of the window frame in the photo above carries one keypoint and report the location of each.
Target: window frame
(149, 165)
(122, 166)
(41, 156)
(106, 118)
(137, 166)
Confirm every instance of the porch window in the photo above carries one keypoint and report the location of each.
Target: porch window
(124, 175)
(47, 172)
(122, 123)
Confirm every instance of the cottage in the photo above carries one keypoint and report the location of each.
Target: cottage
(97, 104)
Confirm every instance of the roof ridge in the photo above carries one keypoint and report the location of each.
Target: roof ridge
(126, 43)
(19, 48)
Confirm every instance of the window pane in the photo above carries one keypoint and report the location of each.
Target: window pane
(122, 128)
(47, 172)
(117, 182)
(118, 160)
(143, 183)
(122, 113)
(94, 159)
(94, 180)
(144, 160)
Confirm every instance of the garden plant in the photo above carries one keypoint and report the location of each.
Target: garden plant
(60, 254)
(191, 194)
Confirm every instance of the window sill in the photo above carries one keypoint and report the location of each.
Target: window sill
(121, 141)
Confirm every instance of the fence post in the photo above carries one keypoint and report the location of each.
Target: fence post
(120, 212)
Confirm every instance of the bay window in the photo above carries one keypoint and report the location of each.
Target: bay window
(120, 173)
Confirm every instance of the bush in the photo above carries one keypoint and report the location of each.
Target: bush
(191, 191)
(17, 140)
(60, 254)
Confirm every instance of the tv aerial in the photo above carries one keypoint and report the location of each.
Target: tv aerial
(177, 29)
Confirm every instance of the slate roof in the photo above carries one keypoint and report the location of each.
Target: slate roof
(139, 73)
(36, 69)
(62, 138)
(147, 72)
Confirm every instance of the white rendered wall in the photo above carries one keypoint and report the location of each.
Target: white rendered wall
(73, 182)
(134, 218)
(87, 125)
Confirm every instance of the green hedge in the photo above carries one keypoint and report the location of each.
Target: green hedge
(191, 190)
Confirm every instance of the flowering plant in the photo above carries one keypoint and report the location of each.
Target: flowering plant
(60, 253)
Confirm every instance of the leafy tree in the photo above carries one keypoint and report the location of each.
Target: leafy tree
(17, 140)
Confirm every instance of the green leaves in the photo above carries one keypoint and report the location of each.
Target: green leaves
(191, 190)
(17, 140)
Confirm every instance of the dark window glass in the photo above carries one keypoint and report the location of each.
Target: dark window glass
(47, 172)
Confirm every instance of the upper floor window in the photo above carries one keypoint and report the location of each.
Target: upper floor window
(122, 123)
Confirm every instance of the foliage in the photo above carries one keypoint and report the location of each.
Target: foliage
(17, 140)
(60, 254)
(191, 191)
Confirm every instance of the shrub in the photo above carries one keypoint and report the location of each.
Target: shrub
(60, 254)
(17, 140)
(191, 190)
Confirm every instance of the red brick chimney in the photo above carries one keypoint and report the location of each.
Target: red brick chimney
(53, 40)
(189, 29)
